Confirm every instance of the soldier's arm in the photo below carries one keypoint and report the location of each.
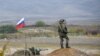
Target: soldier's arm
(66, 29)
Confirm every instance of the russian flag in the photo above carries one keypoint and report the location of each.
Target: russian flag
(20, 24)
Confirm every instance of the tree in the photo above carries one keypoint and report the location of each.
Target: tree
(40, 23)
(7, 29)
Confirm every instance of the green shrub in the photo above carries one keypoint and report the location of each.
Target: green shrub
(40, 23)
(7, 29)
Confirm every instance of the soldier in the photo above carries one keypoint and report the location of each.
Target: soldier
(62, 30)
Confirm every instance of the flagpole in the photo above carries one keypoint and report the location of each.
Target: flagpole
(19, 25)
(25, 44)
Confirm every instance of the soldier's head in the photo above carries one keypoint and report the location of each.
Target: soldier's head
(61, 21)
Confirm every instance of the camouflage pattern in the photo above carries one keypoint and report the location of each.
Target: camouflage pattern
(62, 31)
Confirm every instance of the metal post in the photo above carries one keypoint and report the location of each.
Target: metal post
(25, 45)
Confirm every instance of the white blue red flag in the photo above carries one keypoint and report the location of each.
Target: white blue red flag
(20, 24)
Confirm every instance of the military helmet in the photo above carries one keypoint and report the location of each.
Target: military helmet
(61, 20)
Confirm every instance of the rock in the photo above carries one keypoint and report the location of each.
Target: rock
(67, 52)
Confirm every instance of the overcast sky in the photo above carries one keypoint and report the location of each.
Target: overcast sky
(68, 9)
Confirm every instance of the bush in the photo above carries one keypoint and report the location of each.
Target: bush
(40, 23)
(7, 29)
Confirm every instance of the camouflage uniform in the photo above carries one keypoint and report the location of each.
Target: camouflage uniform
(62, 30)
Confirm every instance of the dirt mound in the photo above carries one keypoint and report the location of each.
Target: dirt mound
(67, 52)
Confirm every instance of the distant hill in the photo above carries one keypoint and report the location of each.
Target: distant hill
(32, 20)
